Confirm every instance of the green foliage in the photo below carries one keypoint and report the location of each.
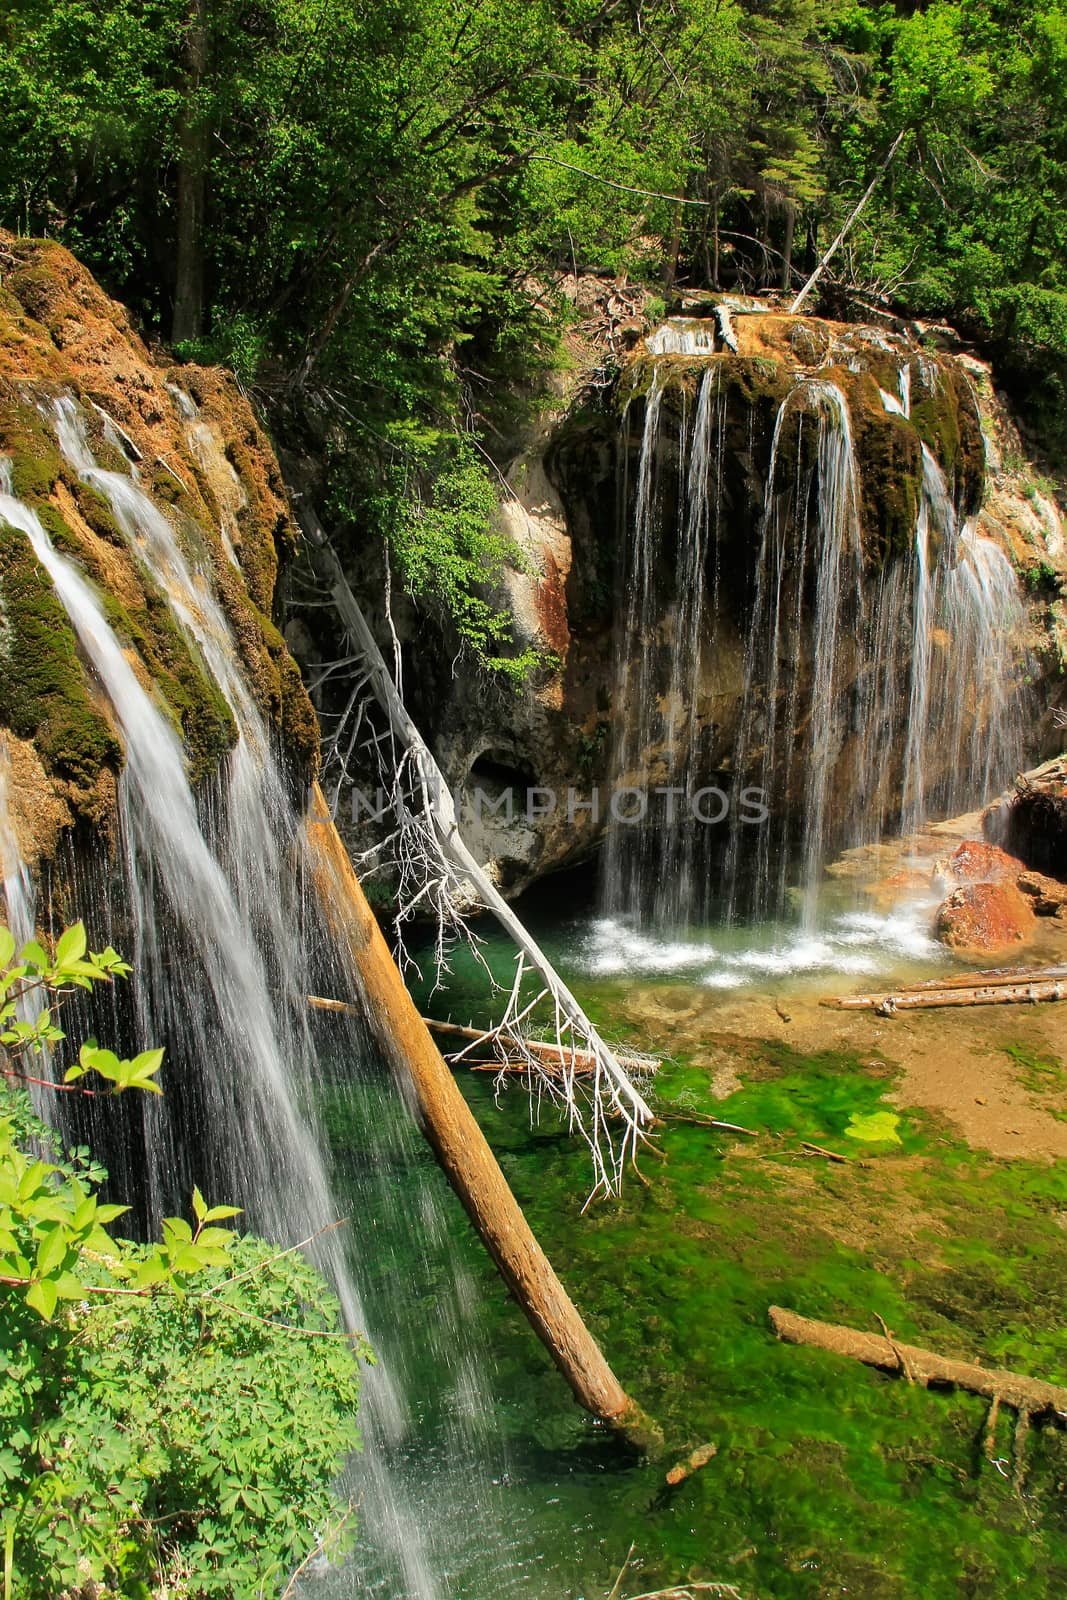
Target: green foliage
(392, 192)
(236, 341)
(171, 1414)
(436, 511)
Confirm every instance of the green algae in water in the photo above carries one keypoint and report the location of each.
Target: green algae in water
(830, 1478)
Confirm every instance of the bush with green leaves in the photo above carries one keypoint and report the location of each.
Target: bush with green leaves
(171, 1414)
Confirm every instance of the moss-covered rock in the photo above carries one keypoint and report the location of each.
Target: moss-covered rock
(945, 415)
(43, 693)
(889, 452)
(61, 335)
(36, 464)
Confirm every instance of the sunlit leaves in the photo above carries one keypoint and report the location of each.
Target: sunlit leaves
(165, 1417)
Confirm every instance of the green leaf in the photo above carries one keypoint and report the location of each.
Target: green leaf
(151, 1271)
(52, 1251)
(71, 946)
(7, 946)
(215, 1238)
(876, 1127)
(41, 1297)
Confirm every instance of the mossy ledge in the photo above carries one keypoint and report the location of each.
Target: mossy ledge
(61, 335)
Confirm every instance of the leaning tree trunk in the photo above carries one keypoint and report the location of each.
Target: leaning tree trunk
(852, 217)
(612, 1092)
(188, 320)
(456, 1139)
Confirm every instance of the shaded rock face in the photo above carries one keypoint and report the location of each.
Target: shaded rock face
(196, 449)
(1032, 822)
(613, 709)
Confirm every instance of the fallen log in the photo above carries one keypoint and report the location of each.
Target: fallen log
(582, 1061)
(992, 994)
(456, 1139)
(551, 1056)
(1033, 1396)
(319, 1002)
(996, 977)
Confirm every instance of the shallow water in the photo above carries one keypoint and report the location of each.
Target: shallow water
(829, 1479)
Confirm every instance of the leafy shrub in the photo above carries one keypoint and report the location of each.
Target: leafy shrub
(171, 1414)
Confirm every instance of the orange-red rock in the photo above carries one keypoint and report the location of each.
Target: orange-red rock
(981, 917)
(974, 861)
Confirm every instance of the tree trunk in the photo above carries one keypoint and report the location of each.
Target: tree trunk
(619, 1093)
(670, 264)
(456, 1139)
(188, 322)
(787, 247)
(715, 284)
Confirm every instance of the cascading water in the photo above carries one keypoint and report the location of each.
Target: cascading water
(215, 893)
(810, 541)
(875, 692)
(658, 720)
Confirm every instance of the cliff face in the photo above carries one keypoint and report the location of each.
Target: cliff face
(188, 438)
(914, 414)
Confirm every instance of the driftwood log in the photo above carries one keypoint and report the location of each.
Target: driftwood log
(554, 1055)
(1006, 993)
(995, 977)
(456, 1139)
(1032, 1395)
(1032, 1399)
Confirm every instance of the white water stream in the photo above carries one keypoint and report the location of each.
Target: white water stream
(873, 697)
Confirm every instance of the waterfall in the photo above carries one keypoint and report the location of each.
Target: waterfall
(682, 336)
(808, 580)
(223, 948)
(874, 693)
(665, 720)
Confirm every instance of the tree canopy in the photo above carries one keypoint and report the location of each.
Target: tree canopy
(350, 202)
